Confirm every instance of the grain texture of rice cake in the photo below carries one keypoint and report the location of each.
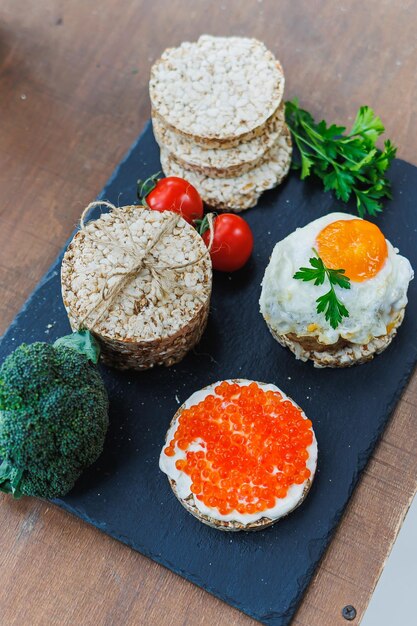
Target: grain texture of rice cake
(162, 311)
(220, 162)
(240, 192)
(222, 144)
(342, 354)
(217, 89)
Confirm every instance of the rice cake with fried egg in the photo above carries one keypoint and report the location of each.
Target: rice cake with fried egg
(376, 301)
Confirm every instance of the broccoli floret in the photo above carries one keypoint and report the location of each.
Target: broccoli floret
(53, 415)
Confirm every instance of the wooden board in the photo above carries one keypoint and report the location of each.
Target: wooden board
(73, 80)
(126, 496)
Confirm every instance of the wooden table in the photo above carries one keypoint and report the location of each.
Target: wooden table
(73, 96)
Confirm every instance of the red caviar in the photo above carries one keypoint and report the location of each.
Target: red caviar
(254, 448)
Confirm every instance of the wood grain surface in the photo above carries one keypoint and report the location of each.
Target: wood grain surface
(73, 96)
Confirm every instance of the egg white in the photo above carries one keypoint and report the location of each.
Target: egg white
(289, 305)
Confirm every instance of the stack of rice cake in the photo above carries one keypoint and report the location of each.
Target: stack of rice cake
(218, 117)
(152, 320)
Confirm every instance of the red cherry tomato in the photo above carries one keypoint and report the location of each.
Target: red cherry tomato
(178, 195)
(232, 242)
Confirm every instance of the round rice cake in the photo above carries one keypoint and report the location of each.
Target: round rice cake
(218, 88)
(162, 309)
(370, 301)
(220, 162)
(231, 142)
(232, 496)
(240, 192)
(343, 353)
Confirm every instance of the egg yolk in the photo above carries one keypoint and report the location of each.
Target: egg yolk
(254, 446)
(357, 246)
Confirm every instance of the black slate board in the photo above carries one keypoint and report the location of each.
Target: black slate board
(263, 574)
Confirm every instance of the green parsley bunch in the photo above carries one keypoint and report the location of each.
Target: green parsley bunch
(348, 164)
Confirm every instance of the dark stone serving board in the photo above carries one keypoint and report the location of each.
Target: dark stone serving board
(264, 573)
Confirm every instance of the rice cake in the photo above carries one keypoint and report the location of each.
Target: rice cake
(162, 310)
(184, 484)
(217, 89)
(342, 354)
(220, 162)
(241, 192)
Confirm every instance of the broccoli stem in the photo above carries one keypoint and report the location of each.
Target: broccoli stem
(82, 341)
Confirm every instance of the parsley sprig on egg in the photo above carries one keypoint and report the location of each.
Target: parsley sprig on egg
(334, 310)
(349, 164)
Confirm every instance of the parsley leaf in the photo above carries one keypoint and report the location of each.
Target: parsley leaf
(334, 310)
(306, 165)
(340, 181)
(350, 164)
(367, 124)
(317, 272)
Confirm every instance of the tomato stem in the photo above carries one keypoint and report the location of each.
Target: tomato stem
(203, 225)
(144, 187)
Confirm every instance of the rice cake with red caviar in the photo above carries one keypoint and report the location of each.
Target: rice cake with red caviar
(375, 302)
(239, 455)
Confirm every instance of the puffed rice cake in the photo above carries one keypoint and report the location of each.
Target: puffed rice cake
(240, 192)
(342, 354)
(215, 162)
(218, 91)
(145, 325)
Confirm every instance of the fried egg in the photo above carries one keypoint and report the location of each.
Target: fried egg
(379, 278)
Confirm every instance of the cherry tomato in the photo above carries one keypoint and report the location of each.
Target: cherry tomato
(177, 195)
(232, 242)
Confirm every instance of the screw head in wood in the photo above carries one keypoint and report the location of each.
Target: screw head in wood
(349, 612)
